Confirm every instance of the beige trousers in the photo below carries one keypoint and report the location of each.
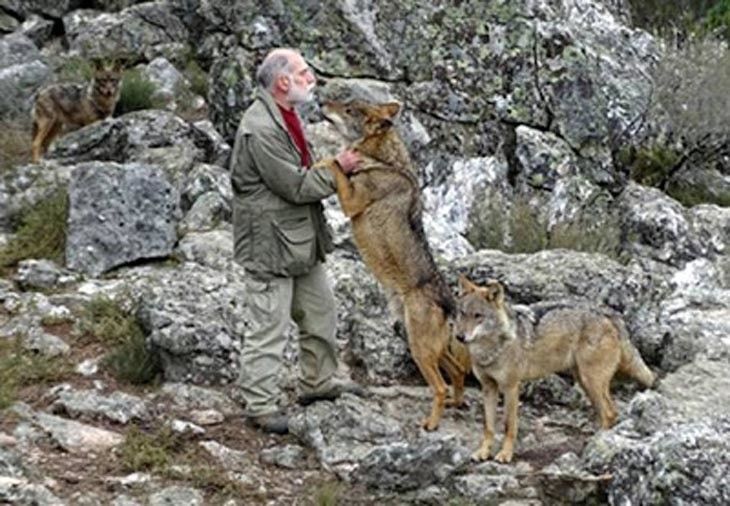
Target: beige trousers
(309, 301)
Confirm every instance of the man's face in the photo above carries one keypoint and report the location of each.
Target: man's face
(301, 81)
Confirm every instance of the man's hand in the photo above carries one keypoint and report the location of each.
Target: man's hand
(349, 161)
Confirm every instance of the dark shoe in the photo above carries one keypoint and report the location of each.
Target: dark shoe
(275, 423)
(334, 392)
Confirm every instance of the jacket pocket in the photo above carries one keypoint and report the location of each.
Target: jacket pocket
(295, 243)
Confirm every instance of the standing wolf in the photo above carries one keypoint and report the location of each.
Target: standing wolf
(71, 106)
(506, 350)
(383, 203)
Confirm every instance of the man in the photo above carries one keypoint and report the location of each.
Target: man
(281, 238)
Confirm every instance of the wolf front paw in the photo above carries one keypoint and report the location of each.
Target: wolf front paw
(504, 456)
(429, 424)
(480, 455)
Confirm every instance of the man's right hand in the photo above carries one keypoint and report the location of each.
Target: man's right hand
(349, 161)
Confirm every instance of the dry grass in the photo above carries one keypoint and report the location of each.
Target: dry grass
(15, 140)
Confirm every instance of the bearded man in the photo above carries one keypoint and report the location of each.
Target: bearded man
(281, 239)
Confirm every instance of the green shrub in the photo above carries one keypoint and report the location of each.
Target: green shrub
(20, 368)
(76, 69)
(15, 139)
(142, 451)
(42, 232)
(668, 18)
(328, 493)
(717, 19)
(130, 360)
(197, 77)
(137, 93)
(650, 165)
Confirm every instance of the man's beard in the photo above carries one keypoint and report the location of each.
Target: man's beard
(299, 96)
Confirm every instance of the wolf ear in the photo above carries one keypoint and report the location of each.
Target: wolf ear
(465, 286)
(494, 292)
(97, 64)
(118, 65)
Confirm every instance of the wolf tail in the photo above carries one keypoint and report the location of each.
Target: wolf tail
(631, 362)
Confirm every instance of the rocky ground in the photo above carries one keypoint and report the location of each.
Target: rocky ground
(511, 110)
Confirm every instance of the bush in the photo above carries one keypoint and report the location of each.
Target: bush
(143, 451)
(15, 140)
(130, 360)
(76, 69)
(137, 93)
(20, 368)
(718, 19)
(665, 18)
(42, 233)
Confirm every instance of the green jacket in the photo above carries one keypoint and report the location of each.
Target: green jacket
(279, 227)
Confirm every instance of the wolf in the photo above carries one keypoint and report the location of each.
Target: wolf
(507, 349)
(383, 202)
(70, 106)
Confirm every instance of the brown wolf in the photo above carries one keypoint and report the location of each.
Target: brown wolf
(507, 349)
(383, 203)
(69, 106)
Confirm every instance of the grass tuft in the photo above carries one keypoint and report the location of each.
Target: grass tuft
(137, 93)
(131, 359)
(20, 368)
(42, 233)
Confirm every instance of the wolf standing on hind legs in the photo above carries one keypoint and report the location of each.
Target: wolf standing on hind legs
(281, 238)
(506, 350)
(69, 106)
(382, 200)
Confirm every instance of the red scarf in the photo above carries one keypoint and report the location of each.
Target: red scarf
(296, 132)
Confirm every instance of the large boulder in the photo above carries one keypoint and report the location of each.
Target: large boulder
(119, 214)
(22, 73)
(149, 29)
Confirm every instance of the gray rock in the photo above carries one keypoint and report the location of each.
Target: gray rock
(187, 397)
(167, 79)
(118, 407)
(221, 149)
(137, 220)
(207, 213)
(150, 29)
(658, 227)
(75, 437)
(46, 344)
(287, 456)
(25, 186)
(195, 317)
(22, 491)
(231, 91)
(408, 466)
(212, 249)
(42, 274)
(172, 496)
(203, 179)
(22, 73)
(230, 459)
(344, 432)
(37, 29)
(147, 136)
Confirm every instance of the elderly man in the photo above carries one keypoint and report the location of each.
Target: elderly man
(281, 238)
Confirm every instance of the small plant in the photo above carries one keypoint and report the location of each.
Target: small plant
(142, 451)
(717, 19)
(328, 494)
(42, 233)
(15, 140)
(651, 165)
(131, 359)
(20, 368)
(76, 69)
(137, 93)
(529, 234)
(197, 77)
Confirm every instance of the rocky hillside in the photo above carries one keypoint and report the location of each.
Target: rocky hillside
(122, 314)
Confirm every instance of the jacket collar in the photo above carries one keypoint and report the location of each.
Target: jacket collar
(272, 107)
